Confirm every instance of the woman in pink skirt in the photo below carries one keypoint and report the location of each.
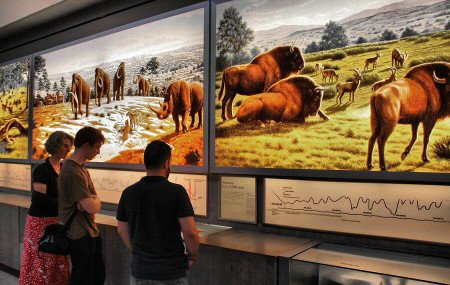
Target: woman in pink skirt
(38, 267)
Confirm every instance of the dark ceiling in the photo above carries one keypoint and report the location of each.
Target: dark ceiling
(57, 18)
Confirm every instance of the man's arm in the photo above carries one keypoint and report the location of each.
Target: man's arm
(123, 230)
(91, 205)
(190, 235)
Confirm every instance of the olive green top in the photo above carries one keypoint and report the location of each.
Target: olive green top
(75, 184)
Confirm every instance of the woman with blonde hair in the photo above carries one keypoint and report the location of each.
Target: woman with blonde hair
(38, 267)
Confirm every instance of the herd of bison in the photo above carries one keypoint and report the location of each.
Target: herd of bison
(278, 94)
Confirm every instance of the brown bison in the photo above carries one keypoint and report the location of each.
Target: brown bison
(257, 76)
(422, 96)
(291, 99)
(144, 85)
(102, 85)
(182, 99)
(81, 92)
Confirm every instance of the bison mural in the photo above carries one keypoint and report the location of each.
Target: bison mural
(422, 96)
(291, 99)
(257, 76)
(182, 99)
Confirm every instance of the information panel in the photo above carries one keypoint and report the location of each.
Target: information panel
(196, 187)
(15, 176)
(238, 199)
(109, 185)
(389, 210)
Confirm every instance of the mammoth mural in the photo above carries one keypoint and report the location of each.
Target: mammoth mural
(81, 92)
(119, 82)
(102, 85)
(182, 99)
(144, 85)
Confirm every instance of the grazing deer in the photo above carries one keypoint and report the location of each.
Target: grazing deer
(373, 61)
(398, 58)
(331, 73)
(391, 78)
(349, 87)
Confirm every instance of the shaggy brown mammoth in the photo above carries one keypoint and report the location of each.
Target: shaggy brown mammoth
(119, 82)
(81, 92)
(144, 85)
(102, 85)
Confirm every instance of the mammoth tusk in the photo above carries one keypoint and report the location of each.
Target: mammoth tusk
(100, 82)
(439, 80)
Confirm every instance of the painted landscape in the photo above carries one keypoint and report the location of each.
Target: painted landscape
(14, 110)
(355, 45)
(126, 79)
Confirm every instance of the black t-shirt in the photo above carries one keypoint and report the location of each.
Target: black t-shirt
(152, 207)
(45, 205)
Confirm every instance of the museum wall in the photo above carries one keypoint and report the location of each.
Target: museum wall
(307, 177)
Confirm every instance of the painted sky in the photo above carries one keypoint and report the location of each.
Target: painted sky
(269, 14)
(152, 38)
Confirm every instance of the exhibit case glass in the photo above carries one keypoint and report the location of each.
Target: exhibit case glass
(332, 264)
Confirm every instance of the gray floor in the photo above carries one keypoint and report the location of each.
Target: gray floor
(6, 279)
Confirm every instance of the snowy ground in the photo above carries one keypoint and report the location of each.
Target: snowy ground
(110, 119)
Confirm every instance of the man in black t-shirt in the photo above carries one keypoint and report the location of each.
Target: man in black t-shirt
(151, 215)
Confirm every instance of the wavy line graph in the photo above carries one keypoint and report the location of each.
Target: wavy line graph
(367, 202)
(109, 185)
(415, 212)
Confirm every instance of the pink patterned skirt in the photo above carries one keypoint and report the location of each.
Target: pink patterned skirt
(37, 267)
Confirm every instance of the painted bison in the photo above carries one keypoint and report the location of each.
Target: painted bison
(182, 99)
(81, 92)
(257, 76)
(422, 96)
(291, 99)
(102, 85)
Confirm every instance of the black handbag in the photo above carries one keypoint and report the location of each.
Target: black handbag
(55, 240)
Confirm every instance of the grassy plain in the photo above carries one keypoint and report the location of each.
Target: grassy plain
(340, 143)
(19, 148)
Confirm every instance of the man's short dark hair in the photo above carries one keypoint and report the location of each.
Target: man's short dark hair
(88, 135)
(156, 153)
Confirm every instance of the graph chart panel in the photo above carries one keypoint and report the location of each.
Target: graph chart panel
(109, 185)
(195, 185)
(15, 176)
(417, 212)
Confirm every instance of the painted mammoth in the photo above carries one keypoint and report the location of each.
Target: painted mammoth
(81, 92)
(144, 85)
(119, 82)
(182, 99)
(102, 85)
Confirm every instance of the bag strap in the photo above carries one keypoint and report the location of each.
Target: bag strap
(71, 218)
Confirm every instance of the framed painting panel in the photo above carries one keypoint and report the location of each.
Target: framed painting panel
(298, 89)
